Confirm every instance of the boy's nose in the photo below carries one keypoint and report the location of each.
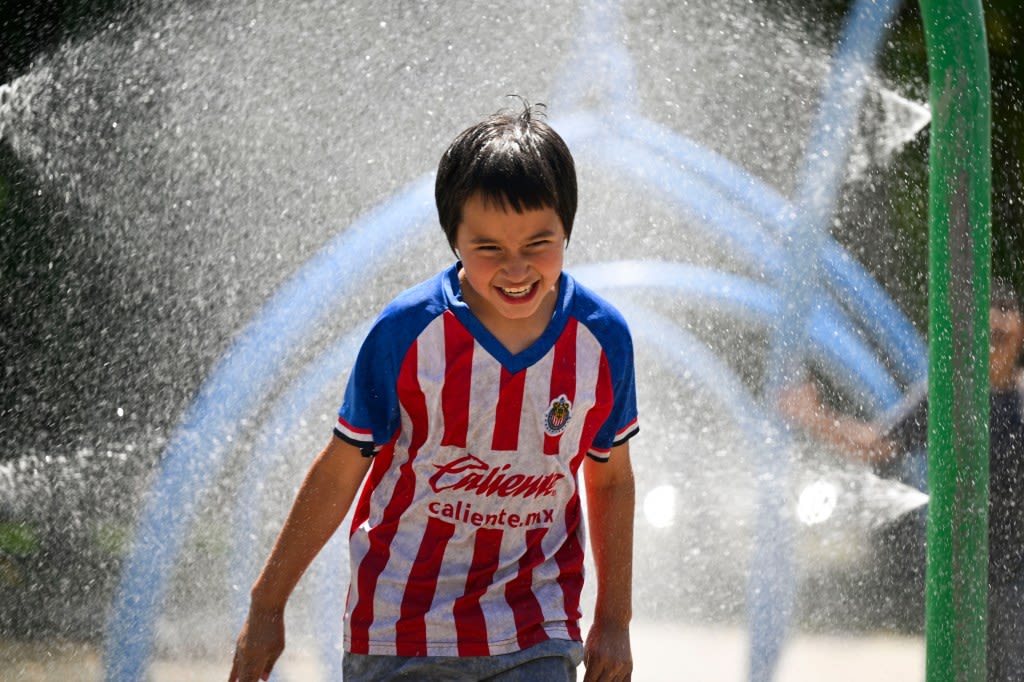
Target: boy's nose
(515, 265)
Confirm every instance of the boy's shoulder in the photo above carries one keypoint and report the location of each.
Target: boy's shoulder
(409, 313)
(427, 296)
(609, 329)
(596, 313)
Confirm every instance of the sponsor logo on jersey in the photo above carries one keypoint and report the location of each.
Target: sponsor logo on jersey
(558, 415)
(472, 474)
(463, 511)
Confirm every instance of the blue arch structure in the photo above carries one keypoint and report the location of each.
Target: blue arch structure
(684, 355)
(866, 301)
(285, 416)
(805, 231)
(836, 349)
(724, 199)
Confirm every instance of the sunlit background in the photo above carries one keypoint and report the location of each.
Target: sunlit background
(166, 168)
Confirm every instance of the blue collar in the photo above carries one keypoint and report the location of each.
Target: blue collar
(528, 356)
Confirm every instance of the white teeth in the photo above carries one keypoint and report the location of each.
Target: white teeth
(516, 293)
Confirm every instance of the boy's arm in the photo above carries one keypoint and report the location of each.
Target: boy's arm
(320, 506)
(610, 510)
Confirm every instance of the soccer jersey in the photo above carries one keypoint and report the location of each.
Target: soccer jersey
(468, 537)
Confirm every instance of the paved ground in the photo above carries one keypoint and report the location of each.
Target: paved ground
(663, 653)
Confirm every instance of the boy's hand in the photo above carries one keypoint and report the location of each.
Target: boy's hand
(259, 646)
(607, 654)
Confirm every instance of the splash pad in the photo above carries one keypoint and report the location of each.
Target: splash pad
(271, 377)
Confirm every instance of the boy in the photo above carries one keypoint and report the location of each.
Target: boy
(474, 401)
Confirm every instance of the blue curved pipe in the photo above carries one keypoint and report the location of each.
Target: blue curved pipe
(806, 233)
(268, 451)
(600, 66)
(726, 293)
(242, 379)
(854, 287)
(697, 170)
(806, 222)
(769, 602)
(684, 354)
(834, 343)
(735, 231)
(818, 180)
(738, 229)
(195, 454)
(728, 225)
(267, 454)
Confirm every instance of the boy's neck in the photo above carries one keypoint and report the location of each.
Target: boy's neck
(516, 335)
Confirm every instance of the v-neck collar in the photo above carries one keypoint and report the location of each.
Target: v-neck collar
(529, 355)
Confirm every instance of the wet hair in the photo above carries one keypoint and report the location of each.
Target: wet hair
(1003, 297)
(511, 160)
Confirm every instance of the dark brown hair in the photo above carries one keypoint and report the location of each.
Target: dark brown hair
(511, 160)
(1002, 296)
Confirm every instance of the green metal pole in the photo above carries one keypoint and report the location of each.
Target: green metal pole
(958, 394)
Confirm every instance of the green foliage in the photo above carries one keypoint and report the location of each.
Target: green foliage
(18, 539)
(112, 538)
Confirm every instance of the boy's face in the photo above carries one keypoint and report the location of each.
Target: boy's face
(511, 261)
(1006, 338)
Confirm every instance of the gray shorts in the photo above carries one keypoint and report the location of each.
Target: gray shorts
(554, 660)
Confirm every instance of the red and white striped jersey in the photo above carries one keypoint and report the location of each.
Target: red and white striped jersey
(468, 537)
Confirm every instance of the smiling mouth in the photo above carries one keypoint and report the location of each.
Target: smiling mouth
(517, 292)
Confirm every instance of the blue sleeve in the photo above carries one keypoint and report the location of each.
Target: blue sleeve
(610, 329)
(622, 422)
(369, 414)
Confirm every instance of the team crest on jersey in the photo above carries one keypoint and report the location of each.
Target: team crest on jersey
(557, 417)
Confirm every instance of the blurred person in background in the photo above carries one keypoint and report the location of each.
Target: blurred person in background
(895, 447)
